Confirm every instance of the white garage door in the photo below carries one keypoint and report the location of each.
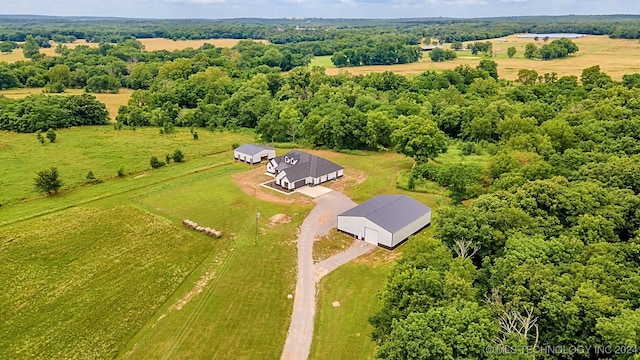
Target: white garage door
(371, 236)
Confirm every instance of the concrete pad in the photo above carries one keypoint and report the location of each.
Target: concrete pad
(314, 191)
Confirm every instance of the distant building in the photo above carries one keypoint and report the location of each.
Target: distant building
(253, 154)
(430, 47)
(296, 169)
(385, 220)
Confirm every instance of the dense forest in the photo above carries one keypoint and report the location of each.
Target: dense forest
(547, 252)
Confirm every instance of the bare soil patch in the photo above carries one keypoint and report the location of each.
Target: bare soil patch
(279, 219)
(379, 256)
(141, 176)
(249, 182)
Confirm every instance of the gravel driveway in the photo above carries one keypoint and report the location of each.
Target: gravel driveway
(318, 223)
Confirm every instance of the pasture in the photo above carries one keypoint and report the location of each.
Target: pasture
(616, 57)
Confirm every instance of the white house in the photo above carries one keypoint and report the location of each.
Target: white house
(253, 154)
(296, 169)
(385, 220)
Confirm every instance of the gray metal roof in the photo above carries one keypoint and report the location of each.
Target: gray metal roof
(305, 165)
(391, 212)
(252, 149)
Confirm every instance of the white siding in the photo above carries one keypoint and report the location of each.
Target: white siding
(340, 172)
(406, 231)
(355, 225)
(253, 159)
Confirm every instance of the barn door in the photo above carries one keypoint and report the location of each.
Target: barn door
(371, 236)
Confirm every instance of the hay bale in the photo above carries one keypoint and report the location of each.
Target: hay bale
(218, 234)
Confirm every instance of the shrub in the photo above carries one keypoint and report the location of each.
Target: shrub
(48, 181)
(121, 172)
(178, 156)
(235, 146)
(195, 135)
(167, 158)
(40, 137)
(51, 135)
(156, 163)
(91, 178)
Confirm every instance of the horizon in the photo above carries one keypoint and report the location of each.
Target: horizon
(320, 9)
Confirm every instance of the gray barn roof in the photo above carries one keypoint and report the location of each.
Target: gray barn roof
(391, 212)
(251, 149)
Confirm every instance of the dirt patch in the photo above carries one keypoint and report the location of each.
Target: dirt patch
(197, 289)
(280, 219)
(141, 176)
(350, 178)
(379, 256)
(249, 182)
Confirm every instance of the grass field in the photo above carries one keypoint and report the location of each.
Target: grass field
(247, 285)
(616, 57)
(100, 149)
(111, 101)
(63, 274)
(344, 332)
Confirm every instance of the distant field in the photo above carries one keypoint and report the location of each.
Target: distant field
(112, 101)
(100, 149)
(149, 45)
(170, 45)
(616, 57)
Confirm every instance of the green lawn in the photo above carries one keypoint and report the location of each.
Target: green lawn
(344, 332)
(100, 149)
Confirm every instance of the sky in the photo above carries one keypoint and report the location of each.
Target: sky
(220, 9)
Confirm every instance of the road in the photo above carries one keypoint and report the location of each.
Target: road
(318, 223)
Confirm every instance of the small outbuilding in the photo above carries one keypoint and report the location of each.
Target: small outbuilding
(254, 154)
(385, 220)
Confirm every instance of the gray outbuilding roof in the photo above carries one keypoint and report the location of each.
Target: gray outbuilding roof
(251, 149)
(391, 212)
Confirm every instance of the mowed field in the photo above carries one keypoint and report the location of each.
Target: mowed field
(151, 44)
(616, 57)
